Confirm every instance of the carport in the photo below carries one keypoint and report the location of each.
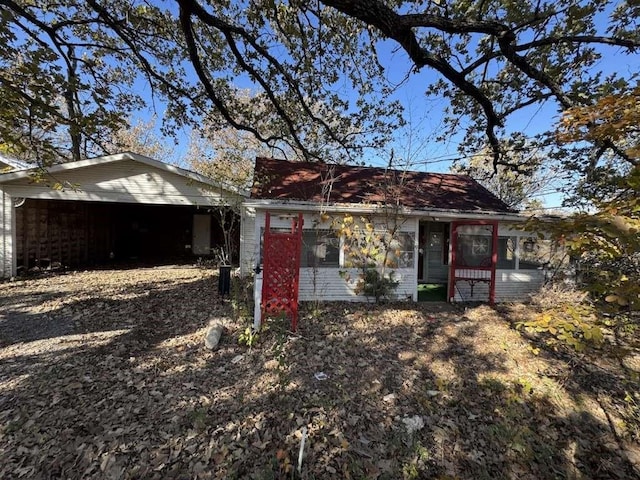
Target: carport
(106, 210)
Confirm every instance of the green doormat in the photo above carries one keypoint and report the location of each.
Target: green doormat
(432, 292)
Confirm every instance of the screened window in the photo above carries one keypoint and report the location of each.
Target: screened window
(521, 252)
(320, 248)
(401, 251)
(378, 248)
(474, 250)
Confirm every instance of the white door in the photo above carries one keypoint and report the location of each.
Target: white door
(201, 235)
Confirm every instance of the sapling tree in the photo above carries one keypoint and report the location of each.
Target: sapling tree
(374, 251)
(375, 244)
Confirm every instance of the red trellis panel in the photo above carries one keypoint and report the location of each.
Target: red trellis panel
(281, 272)
(484, 273)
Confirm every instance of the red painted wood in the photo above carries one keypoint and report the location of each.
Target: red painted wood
(494, 262)
(475, 274)
(281, 270)
(452, 268)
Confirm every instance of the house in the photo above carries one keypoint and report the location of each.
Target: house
(124, 207)
(449, 231)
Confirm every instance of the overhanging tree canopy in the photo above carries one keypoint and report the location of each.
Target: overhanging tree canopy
(316, 64)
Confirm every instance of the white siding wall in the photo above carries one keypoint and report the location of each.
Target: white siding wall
(327, 284)
(247, 241)
(517, 285)
(7, 236)
(127, 181)
(511, 286)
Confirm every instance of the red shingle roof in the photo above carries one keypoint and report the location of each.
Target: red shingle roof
(311, 182)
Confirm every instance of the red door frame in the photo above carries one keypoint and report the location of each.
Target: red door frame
(474, 274)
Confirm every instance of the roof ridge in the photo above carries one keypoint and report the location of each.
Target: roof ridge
(364, 167)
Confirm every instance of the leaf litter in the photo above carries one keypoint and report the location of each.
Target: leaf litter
(105, 375)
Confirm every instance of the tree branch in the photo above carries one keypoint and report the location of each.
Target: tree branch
(228, 30)
(187, 29)
(391, 25)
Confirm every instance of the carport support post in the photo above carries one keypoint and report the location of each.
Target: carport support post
(8, 260)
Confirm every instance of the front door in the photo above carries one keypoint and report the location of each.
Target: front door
(201, 244)
(433, 259)
(474, 254)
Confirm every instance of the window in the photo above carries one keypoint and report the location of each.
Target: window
(532, 252)
(320, 248)
(518, 251)
(378, 247)
(506, 253)
(474, 250)
(401, 251)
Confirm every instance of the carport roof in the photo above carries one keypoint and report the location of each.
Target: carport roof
(118, 157)
(11, 163)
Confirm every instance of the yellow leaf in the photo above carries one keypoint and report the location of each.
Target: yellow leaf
(596, 334)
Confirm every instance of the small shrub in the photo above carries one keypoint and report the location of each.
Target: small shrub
(248, 337)
(554, 294)
(566, 316)
(375, 285)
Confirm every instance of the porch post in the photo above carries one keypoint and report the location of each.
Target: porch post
(453, 236)
(494, 262)
(416, 246)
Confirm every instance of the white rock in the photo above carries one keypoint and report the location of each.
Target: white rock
(389, 398)
(212, 337)
(413, 424)
(237, 359)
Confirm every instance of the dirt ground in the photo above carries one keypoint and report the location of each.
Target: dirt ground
(105, 375)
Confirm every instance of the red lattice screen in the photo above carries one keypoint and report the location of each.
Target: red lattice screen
(281, 273)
